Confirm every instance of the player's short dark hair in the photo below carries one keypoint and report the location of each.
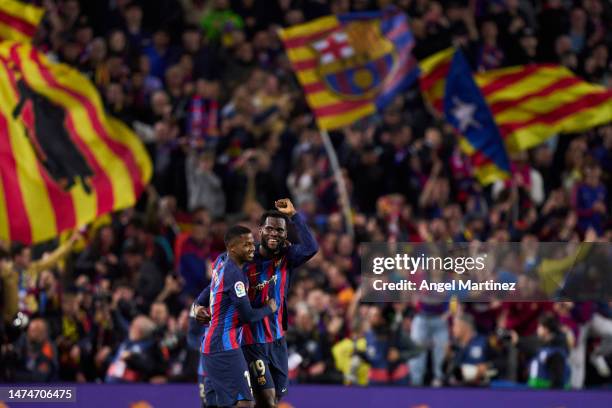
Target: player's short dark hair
(234, 232)
(273, 214)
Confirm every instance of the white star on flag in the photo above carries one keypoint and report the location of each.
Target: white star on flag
(464, 113)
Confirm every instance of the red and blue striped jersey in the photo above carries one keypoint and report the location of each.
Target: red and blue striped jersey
(224, 332)
(269, 277)
(229, 307)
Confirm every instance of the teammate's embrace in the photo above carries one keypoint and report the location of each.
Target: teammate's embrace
(226, 368)
(264, 345)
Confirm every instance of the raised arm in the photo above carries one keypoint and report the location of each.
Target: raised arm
(300, 253)
(54, 257)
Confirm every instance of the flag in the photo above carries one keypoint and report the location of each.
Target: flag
(448, 74)
(351, 65)
(63, 161)
(19, 21)
(530, 103)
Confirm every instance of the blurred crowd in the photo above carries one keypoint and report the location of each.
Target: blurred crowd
(206, 85)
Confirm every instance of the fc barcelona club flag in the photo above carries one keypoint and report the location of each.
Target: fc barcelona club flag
(351, 65)
(63, 161)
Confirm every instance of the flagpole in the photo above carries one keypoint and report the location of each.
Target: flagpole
(342, 192)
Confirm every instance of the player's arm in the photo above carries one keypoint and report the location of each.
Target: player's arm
(238, 295)
(204, 297)
(250, 315)
(199, 307)
(300, 253)
(195, 332)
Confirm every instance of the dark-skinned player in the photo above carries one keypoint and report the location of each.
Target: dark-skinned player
(264, 345)
(226, 369)
(263, 342)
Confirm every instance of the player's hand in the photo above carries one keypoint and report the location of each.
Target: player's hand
(272, 304)
(285, 206)
(202, 315)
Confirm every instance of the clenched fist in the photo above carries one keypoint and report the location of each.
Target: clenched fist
(285, 206)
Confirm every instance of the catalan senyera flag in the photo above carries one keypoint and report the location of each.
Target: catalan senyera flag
(351, 65)
(530, 103)
(63, 160)
(19, 21)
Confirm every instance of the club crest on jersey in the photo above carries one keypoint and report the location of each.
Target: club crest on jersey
(240, 289)
(355, 59)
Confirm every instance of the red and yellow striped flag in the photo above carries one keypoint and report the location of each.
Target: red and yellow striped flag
(19, 21)
(63, 161)
(351, 65)
(530, 103)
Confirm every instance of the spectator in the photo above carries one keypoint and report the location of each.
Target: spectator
(311, 350)
(138, 357)
(193, 253)
(549, 368)
(98, 260)
(491, 55)
(21, 273)
(350, 356)
(35, 355)
(142, 274)
(386, 353)
(160, 54)
(137, 37)
(471, 360)
(429, 328)
(203, 185)
(591, 199)
(220, 21)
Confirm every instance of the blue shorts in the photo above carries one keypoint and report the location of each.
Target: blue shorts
(228, 377)
(207, 395)
(268, 366)
(204, 387)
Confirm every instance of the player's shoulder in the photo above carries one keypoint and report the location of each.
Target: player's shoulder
(232, 272)
(220, 260)
(235, 279)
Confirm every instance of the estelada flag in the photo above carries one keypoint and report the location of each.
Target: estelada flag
(19, 21)
(464, 107)
(351, 65)
(530, 103)
(63, 160)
